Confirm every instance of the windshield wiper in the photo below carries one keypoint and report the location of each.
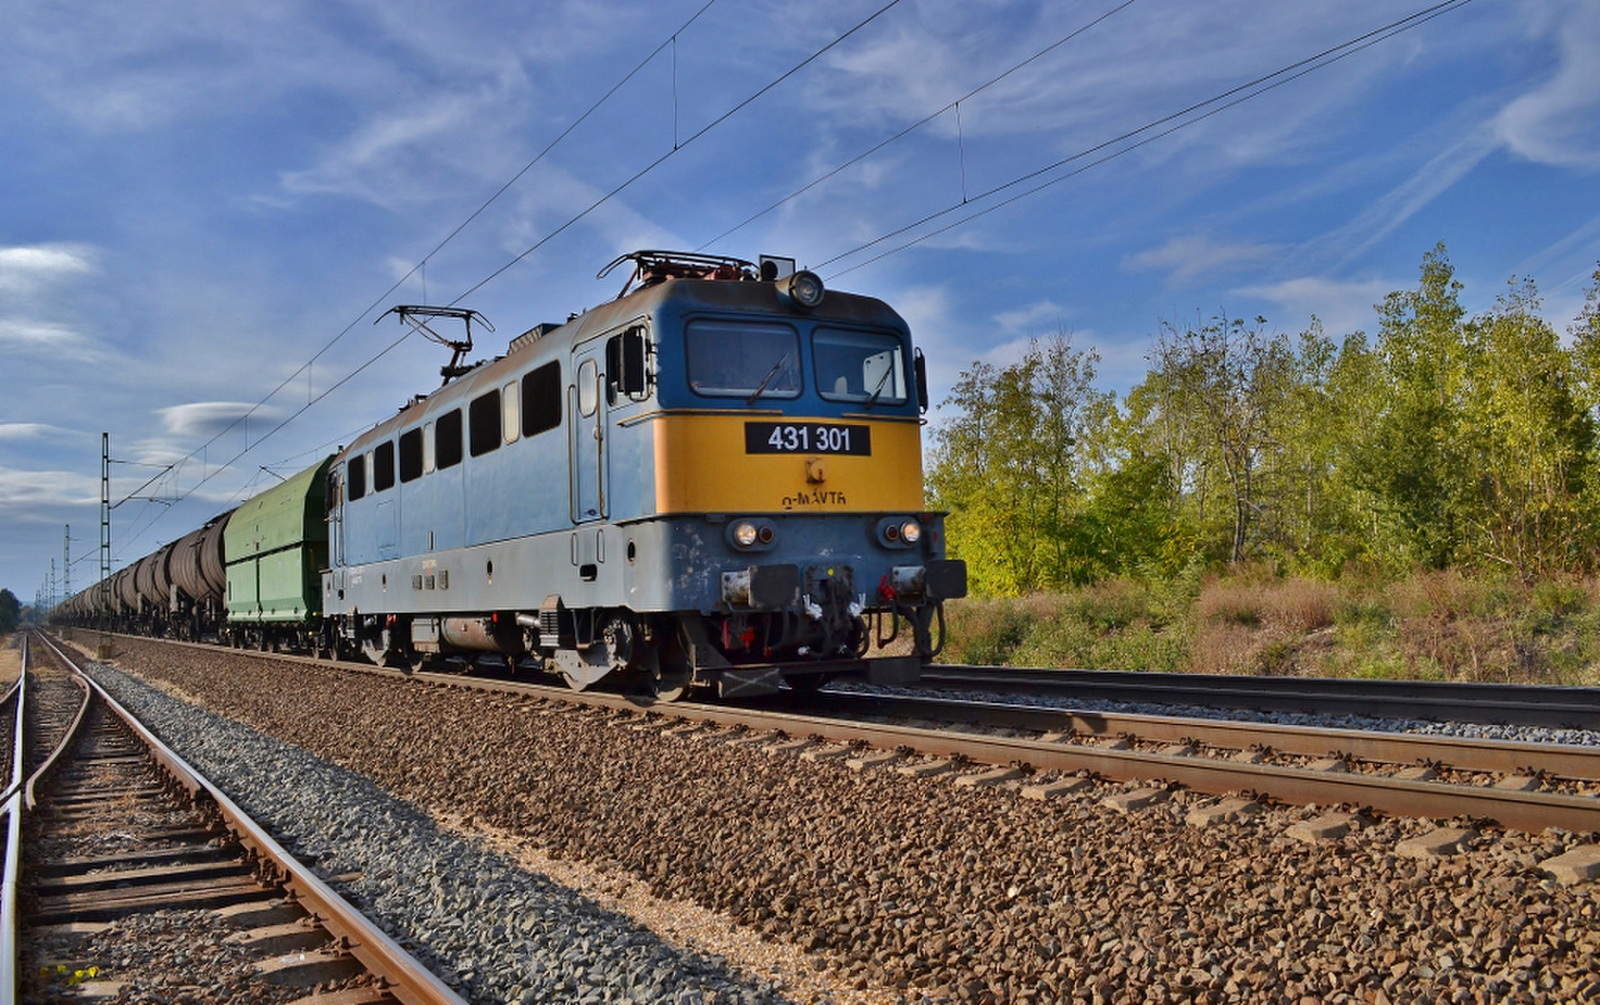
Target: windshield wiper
(766, 380)
(887, 373)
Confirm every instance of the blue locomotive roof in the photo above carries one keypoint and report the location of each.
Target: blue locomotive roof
(668, 302)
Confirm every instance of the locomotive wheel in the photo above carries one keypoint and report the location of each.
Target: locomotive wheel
(807, 683)
(671, 686)
(377, 650)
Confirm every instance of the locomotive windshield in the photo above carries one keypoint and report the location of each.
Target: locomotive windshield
(859, 366)
(744, 359)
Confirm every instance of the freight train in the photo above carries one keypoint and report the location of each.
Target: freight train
(713, 480)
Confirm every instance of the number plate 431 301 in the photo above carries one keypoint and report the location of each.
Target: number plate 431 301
(807, 438)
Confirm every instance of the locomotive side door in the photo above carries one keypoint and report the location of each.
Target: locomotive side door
(586, 406)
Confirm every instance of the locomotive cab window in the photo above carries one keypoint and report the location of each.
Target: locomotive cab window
(447, 439)
(356, 478)
(626, 361)
(383, 466)
(743, 359)
(483, 423)
(541, 399)
(411, 455)
(859, 366)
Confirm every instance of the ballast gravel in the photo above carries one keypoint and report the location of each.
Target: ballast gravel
(1565, 736)
(495, 932)
(931, 891)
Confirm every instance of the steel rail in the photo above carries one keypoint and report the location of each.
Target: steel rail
(1400, 797)
(1531, 811)
(405, 978)
(28, 800)
(1503, 756)
(1548, 705)
(9, 888)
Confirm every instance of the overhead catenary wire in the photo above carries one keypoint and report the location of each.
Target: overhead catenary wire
(575, 219)
(421, 265)
(1178, 120)
(677, 146)
(1238, 95)
(913, 127)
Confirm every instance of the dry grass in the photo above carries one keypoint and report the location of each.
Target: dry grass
(1296, 605)
(1435, 625)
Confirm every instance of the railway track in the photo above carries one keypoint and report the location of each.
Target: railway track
(1552, 706)
(142, 880)
(1071, 897)
(1527, 786)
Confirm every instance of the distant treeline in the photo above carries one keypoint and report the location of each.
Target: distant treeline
(1444, 441)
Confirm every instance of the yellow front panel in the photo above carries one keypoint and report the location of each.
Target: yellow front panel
(702, 467)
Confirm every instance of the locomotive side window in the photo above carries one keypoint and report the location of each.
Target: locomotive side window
(743, 359)
(859, 366)
(383, 466)
(541, 399)
(411, 455)
(483, 423)
(588, 387)
(356, 478)
(447, 439)
(509, 420)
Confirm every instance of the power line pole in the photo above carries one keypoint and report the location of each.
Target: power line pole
(103, 648)
(66, 561)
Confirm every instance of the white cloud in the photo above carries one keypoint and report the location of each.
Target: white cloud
(29, 271)
(37, 490)
(1041, 317)
(1343, 307)
(1555, 123)
(1384, 215)
(39, 334)
(387, 159)
(27, 430)
(207, 418)
(1187, 258)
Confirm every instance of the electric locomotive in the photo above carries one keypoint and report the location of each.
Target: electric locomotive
(715, 478)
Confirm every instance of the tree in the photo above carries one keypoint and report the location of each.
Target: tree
(1009, 464)
(10, 610)
(1414, 461)
(1532, 441)
(1225, 385)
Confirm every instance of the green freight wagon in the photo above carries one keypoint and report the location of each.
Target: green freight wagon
(277, 546)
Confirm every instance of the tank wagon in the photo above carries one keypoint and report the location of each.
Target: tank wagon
(714, 479)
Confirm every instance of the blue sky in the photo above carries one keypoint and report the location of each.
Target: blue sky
(196, 197)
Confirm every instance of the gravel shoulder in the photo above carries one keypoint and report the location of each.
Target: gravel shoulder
(10, 659)
(886, 882)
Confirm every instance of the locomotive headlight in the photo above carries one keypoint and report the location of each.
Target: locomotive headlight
(744, 534)
(804, 288)
(911, 532)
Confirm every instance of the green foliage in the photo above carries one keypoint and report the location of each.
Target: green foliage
(1443, 442)
(1010, 466)
(10, 611)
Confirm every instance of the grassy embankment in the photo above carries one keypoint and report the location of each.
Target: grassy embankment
(1436, 625)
